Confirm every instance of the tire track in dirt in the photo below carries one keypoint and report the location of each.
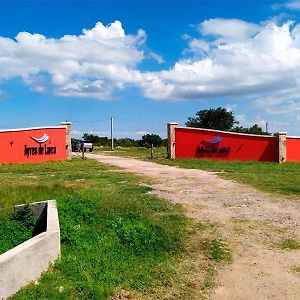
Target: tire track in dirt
(252, 221)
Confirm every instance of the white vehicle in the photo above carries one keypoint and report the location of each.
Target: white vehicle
(87, 146)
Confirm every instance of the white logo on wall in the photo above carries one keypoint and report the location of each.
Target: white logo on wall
(41, 140)
(42, 149)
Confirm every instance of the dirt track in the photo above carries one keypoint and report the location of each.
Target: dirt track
(252, 221)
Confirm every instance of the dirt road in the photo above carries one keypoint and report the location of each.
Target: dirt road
(253, 222)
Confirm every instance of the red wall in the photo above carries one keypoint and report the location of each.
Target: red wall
(196, 143)
(293, 149)
(18, 146)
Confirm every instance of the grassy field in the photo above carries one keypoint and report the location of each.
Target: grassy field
(266, 176)
(135, 152)
(115, 235)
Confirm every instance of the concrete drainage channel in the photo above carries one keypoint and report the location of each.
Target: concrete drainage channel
(27, 261)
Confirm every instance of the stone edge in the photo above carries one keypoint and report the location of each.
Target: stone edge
(27, 261)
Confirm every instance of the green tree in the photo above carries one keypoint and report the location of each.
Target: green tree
(149, 139)
(255, 129)
(219, 119)
(95, 139)
(126, 142)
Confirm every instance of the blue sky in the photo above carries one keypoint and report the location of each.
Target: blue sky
(148, 62)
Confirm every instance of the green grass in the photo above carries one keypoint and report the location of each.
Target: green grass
(289, 244)
(135, 152)
(12, 233)
(114, 234)
(16, 229)
(218, 250)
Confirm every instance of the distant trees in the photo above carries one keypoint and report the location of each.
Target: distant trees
(146, 141)
(150, 139)
(126, 142)
(95, 139)
(221, 119)
(255, 129)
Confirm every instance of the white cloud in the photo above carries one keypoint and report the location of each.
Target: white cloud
(98, 89)
(156, 57)
(197, 46)
(262, 66)
(247, 120)
(141, 132)
(240, 118)
(77, 133)
(100, 132)
(92, 64)
(228, 59)
(278, 19)
(228, 29)
(260, 121)
(231, 107)
(291, 5)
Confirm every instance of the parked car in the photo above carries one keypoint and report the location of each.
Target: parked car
(87, 146)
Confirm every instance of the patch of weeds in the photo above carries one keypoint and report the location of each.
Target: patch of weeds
(194, 276)
(240, 226)
(296, 269)
(142, 236)
(25, 216)
(218, 250)
(289, 244)
(209, 280)
(17, 229)
(12, 233)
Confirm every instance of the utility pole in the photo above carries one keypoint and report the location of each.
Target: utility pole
(266, 127)
(112, 132)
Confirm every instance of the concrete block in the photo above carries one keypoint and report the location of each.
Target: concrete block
(27, 261)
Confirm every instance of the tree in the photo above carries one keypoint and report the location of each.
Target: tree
(149, 139)
(219, 119)
(255, 129)
(95, 139)
(126, 142)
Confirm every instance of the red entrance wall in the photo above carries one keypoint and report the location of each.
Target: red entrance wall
(293, 149)
(20, 146)
(213, 144)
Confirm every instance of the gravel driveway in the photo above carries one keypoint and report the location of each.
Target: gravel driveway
(253, 222)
